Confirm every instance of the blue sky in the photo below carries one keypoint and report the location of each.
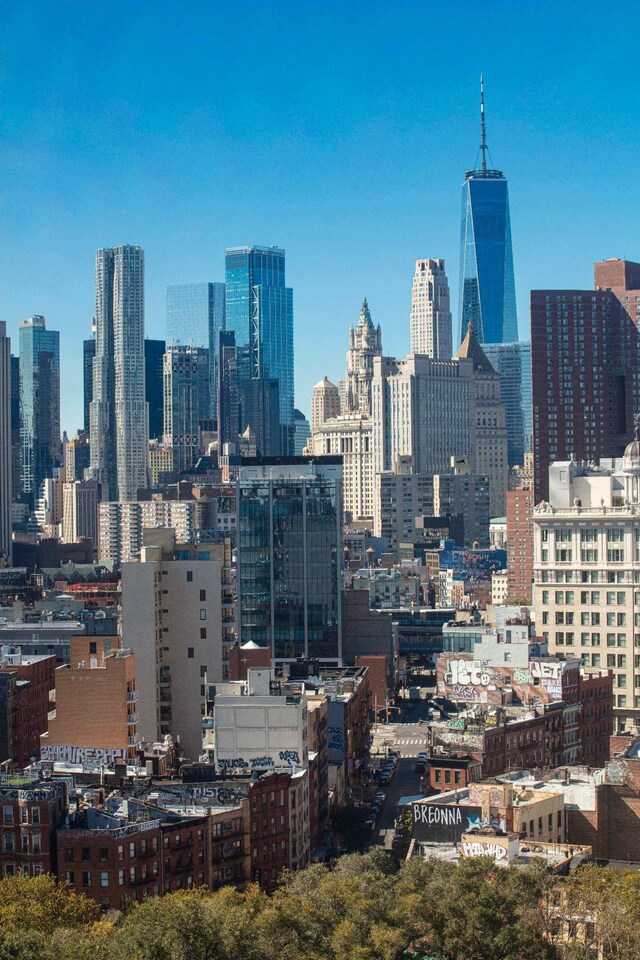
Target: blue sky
(338, 130)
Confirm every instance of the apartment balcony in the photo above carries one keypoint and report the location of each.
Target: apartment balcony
(132, 719)
(133, 697)
(134, 740)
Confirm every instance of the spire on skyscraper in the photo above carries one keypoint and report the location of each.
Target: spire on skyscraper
(483, 129)
(365, 315)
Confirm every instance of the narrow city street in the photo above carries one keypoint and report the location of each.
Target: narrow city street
(408, 737)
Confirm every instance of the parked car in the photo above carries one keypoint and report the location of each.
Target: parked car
(379, 795)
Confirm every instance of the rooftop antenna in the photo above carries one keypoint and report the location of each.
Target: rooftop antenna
(483, 129)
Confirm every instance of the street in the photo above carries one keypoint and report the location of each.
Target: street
(409, 738)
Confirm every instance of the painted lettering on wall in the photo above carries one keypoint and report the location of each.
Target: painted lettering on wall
(335, 738)
(231, 763)
(290, 756)
(482, 848)
(448, 816)
(261, 762)
(467, 673)
(68, 754)
(545, 670)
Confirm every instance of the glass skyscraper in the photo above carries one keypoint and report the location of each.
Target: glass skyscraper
(487, 287)
(289, 557)
(512, 361)
(259, 310)
(153, 385)
(195, 317)
(39, 403)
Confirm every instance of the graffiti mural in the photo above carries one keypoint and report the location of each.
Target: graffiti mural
(82, 755)
(290, 756)
(484, 848)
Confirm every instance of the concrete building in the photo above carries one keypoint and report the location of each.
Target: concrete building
(160, 464)
(325, 403)
(118, 410)
(95, 714)
(172, 620)
(587, 570)
(388, 588)
(520, 544)
(470, 423)
(490, 456)
(461, 493)
(499, 586)
(259, 725)
(80, 511)
(77, 454)
(498, 533)
(431, 310)
(400, 496)
(350, 437)
(121, 526)
(6, 450)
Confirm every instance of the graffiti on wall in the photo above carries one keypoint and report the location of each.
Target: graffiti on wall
(484, 848)
(83, 755)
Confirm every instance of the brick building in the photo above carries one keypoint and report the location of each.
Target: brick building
(268, 846)
(32, 811)
(95, 714)
(26, 683)
(317, 712)
(585, 359)
(113, 860)
(519, 544)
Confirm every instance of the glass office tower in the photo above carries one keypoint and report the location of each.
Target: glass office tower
(487, 288)
(512, 361)
(289, 556)
(39, 403)
(195, 317)
(259, 309)
(153, 385)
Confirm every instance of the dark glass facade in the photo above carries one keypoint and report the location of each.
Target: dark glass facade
(39, 403)
(289, 551)
(153, 358)
(487, 287)
(88, 353)
(259, 310)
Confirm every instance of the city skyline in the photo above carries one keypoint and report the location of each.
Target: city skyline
(188, 166)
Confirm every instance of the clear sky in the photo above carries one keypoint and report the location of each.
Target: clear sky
(338, 130)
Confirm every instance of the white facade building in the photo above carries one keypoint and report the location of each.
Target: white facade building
(587, 571)
(350, 437)
(258, 725)
(80, 511)
(431, 310)
(121, 525)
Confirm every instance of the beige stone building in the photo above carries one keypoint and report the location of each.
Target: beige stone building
(586, 569)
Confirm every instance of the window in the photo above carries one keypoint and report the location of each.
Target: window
(203, 633)
(68, 854)
(189, 576)
(203, 613)
(104, 878)
(121, 878)
(7, 814)
(104, 854)
(86, 854)
(70, 877)
(8, 843)
(132, 849)
(120, 852)
(93, 646)
(203, 596)
(190, 653)
(86, 878)
(37, 843)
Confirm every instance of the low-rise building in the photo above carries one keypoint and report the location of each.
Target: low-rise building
(33, 810)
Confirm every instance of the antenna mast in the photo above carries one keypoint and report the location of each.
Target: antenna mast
(483, 129)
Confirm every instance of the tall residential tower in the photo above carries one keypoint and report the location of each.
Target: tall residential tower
(118, 411)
